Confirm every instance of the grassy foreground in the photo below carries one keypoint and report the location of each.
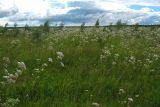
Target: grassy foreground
(69, 68)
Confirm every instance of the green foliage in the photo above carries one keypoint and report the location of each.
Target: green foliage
(104, 28)
(15, 25)
(82, 27)
(15, 31)
(5, 28)
(1, 29)
(46, 26)
(110, 26)
(26, 27)
(120, 24)
(61, 25)
(136, 26)
(97, 24)
(36, 36)
(73, 69)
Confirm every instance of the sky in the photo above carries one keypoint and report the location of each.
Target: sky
(74, 12)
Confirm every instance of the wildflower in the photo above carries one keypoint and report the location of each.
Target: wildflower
(38, 60)
(152, 70)
(13, 77)
(42, 69)
(36, 70)
(3, 83)
(132, 60)
(5, 65)
(50, 60)
(15, 43)
(21, 66)
(19, 72)
(125, 102)
(10, 102)
(10, 78)
(137, 96)
(116, 56)
(10, 81)
(60, 55)
(107, 52)
(113, 63)
(16, 75)
(86, 90)
(37, 77)
(130, 99)
(62, 64)
(50, 48)
(44, 65)
(94, 104)
(5, 71)
(155, 56)
(6, 60)
(102, 57)
(121, 91)
(6, 77)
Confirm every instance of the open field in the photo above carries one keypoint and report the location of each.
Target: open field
(69, 67)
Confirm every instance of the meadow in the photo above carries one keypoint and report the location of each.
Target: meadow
(80, 67)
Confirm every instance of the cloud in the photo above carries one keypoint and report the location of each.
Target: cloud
(74, 12)
(5, 12)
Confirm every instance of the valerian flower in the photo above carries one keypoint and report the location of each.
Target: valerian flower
(22, 66)
(130, 99)
(62, 64)
(50, 60)
(121, 91)
(44, 65)
(60, 55)
(95, 104)
(6, 60)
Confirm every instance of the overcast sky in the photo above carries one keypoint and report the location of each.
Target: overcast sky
(74, 12)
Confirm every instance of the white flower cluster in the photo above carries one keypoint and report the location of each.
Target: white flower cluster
(15, 43)
(6, 61)
(121, 91)
(60, 56)
(10, 102)
(130, 100)
(132, 59)
(11, 78)
(105, 53)
(50, 47)
(21, 66)
(95, 104)
(44, 65)
(50, 59)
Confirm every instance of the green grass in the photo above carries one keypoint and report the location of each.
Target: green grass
(131, 61)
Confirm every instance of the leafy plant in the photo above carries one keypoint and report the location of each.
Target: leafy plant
(82, 27)
(97, 24)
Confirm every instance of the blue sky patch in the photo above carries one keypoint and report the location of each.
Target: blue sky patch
(138, 7)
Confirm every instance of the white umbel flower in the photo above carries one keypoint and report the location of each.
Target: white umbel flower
(130, 99)
(50, 60)
(44, 65)
(19, 72)
(6, 60)
(60, 55)
(62, 64)
(94, 104)
(22, 66)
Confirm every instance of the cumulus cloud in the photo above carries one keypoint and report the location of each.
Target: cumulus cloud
(74, 12)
